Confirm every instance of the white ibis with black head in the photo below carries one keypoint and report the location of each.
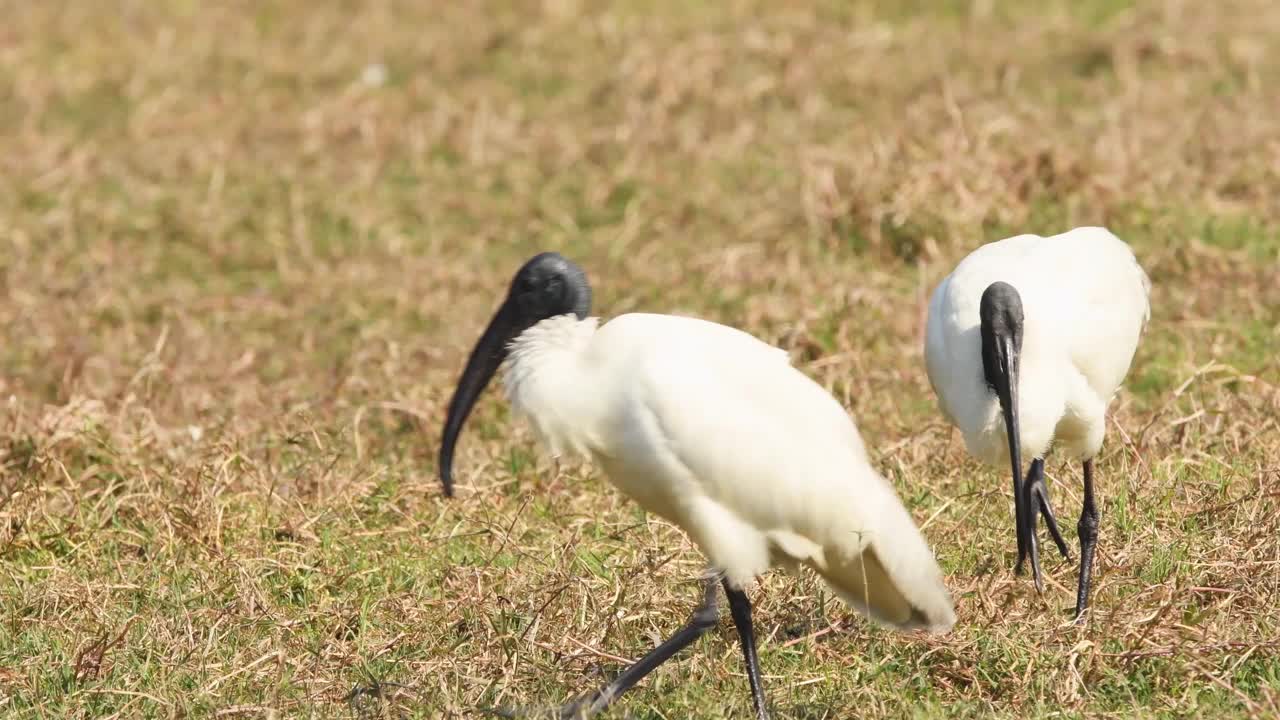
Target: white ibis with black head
(715, 431)
(1028, 340)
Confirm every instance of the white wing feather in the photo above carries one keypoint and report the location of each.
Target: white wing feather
(770, 469)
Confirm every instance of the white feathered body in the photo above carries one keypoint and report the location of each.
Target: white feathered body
(715, 431)
(1085, 301)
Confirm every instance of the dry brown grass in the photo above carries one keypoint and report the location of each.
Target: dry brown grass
(238, 280)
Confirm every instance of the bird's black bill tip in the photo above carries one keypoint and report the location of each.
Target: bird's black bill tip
(446, 473)
(445, 465)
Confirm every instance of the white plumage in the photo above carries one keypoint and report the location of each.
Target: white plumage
(1085, 303)
(1085, 299)
(715, 431)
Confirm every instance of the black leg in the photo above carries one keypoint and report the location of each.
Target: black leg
(703, 619)
(1036, 505)
(1088, 531)
(1030, 512)
(1046, 511)
(740, 607)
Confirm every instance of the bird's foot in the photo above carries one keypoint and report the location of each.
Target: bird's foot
(1036, 505)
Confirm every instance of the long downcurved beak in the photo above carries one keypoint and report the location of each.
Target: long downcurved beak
(486, 358)
(1006, 387)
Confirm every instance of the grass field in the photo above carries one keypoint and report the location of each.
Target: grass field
(245, 247)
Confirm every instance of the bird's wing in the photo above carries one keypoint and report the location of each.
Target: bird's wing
(950, 364)
(1100, 302)
(767, 452)
(1115, 310)
(1083, 286)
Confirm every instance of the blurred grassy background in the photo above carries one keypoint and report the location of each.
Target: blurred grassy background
(244, 249)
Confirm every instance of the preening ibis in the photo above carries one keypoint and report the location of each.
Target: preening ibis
(715, 431)
(1027, 341)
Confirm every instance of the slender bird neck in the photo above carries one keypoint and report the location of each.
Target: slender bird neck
(548, 380)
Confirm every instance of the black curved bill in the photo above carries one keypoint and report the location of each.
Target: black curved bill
(1006, 387)
(486, 358)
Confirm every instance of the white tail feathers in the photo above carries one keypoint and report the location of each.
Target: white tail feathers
(888, 571)
(910, 603)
